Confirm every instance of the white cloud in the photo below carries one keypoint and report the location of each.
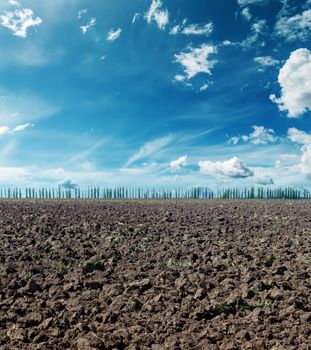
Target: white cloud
(289, 156)
(260, 136)
(266, 61)
(258, 30)
(229, 168)
(196, 60)
(149, 149)
(155, 13)
(14, 3)
(135, 17)
(294, 28)
(301, 137)
(179, 77)
(21, 108)
(298, 136)
(193, 29)
(295, 81)
(252, 2)
(264, 180)
(246, 14)
(234, 140)
(20, 21)
(227, 43)
(82, 13)
(177, 164)
(204, 87)
(114, 34)
(90, 24)
(22, 127)
(4, 130)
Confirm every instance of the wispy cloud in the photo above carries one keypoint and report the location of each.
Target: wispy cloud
(89, 25)
(19, 21)
(266, 61)
(114, 34)
(252, 2)
(193, 29)
(149, 149)
(14, 3)
(246, 14)
(195, 61)
(258, 31)
(135, 17)
(82, 13)
(294, 28)
(23, 107)
(6, 130)
(22, 127)
(157, 14)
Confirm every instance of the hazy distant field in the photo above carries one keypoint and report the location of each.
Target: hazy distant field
(155, 274)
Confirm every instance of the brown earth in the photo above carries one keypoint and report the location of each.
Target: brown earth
(155, 275)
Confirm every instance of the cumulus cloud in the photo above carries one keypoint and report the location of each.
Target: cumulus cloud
(157, 14)
(260, 136)
(295, 83)
(304, 139)
(294, 28)
(149, 149)
(177, 164)
(114, 34)
(233, 168)
(89, 25)
(193, 29)
(19, 21)
(298, 136)
(196, 60)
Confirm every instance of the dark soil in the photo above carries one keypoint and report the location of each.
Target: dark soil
(155, 275)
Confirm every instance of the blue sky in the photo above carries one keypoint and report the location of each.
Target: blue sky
(167, 93)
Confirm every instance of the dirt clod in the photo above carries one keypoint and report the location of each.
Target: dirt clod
(140, 275)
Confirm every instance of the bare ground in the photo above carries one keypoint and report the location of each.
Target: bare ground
(155, 275)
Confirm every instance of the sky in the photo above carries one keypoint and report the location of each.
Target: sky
(158, 93)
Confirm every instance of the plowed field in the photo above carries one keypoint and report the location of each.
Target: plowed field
(155, 275)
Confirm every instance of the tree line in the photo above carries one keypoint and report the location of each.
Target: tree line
(153, 193)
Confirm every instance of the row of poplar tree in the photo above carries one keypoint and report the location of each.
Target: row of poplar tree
(152, 193)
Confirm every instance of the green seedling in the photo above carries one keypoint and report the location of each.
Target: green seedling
(29, 274)
(170, 264)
